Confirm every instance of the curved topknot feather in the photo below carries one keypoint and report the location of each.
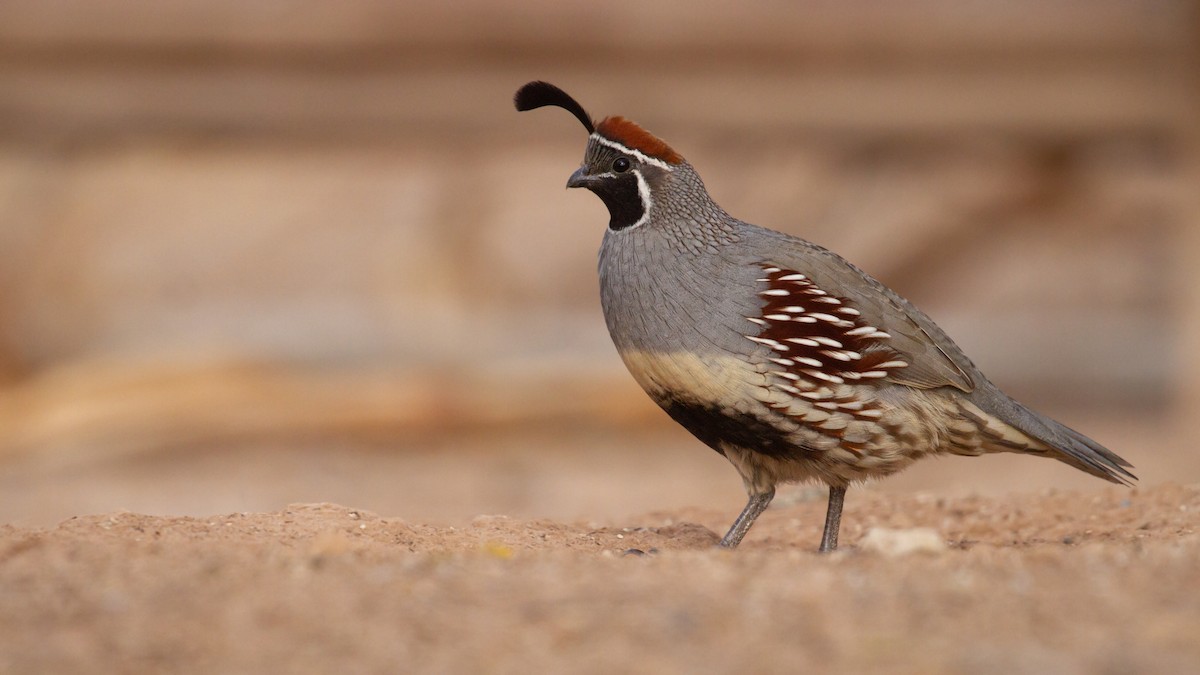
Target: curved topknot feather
(537, 94)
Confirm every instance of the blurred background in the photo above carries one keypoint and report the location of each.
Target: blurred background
(261, 253)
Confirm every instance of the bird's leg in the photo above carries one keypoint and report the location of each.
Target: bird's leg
(757, 504)
(833, 518)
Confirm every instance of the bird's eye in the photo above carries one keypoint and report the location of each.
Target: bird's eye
(621, 164)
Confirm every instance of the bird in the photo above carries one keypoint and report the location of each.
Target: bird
(777, 353)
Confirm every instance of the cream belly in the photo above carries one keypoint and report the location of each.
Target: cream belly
(709, 378)
(778, 430)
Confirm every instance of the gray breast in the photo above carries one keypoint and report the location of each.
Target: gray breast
(678, 317)
(659, 294)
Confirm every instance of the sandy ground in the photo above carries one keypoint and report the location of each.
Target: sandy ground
(1022, 565)
(1054, 581)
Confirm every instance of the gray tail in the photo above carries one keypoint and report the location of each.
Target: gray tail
(1065, 444)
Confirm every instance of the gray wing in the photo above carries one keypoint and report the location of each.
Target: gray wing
(805, 280)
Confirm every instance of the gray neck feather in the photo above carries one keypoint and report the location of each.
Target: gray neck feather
(664, 284)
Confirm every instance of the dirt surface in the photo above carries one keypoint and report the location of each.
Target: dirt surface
(1057, 581)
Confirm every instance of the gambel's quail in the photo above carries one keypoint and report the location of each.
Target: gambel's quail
(777, 353)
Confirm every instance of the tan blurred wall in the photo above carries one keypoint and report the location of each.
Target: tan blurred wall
(342, 190)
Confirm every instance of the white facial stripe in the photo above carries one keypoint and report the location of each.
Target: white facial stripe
(647, 204)
(641, 156)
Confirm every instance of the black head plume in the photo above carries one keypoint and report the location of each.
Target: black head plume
(537, 94)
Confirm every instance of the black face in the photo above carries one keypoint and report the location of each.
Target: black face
(621, 181)
(619, 193)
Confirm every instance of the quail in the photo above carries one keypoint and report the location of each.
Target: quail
(780, 355)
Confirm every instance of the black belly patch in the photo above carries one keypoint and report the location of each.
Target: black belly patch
(714, 426)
